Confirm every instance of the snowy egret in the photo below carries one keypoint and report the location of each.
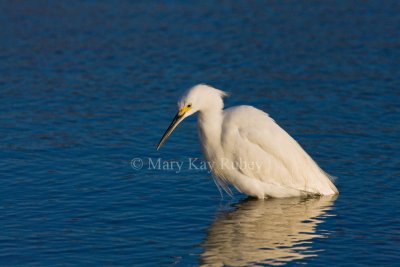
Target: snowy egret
(246, 148)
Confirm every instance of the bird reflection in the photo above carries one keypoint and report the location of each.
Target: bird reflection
(274, 232)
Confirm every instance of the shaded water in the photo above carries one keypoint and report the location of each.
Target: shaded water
(87, 86)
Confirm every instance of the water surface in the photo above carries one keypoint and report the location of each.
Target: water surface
(86, 86)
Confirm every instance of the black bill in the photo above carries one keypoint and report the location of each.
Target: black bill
(171, 127)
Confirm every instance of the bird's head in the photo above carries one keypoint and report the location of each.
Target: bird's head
(200, 97)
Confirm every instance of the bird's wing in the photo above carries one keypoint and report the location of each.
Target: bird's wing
(251, 135)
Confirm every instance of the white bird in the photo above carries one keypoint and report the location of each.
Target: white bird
(246, 148)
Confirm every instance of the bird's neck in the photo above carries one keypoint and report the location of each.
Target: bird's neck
(210, 126)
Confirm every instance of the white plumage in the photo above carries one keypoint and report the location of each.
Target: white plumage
(246, 148)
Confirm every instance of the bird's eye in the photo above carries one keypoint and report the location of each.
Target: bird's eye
(189, 105)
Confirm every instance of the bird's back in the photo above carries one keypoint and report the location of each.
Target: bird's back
(266, 153)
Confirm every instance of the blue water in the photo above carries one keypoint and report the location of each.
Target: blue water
(86, 86)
